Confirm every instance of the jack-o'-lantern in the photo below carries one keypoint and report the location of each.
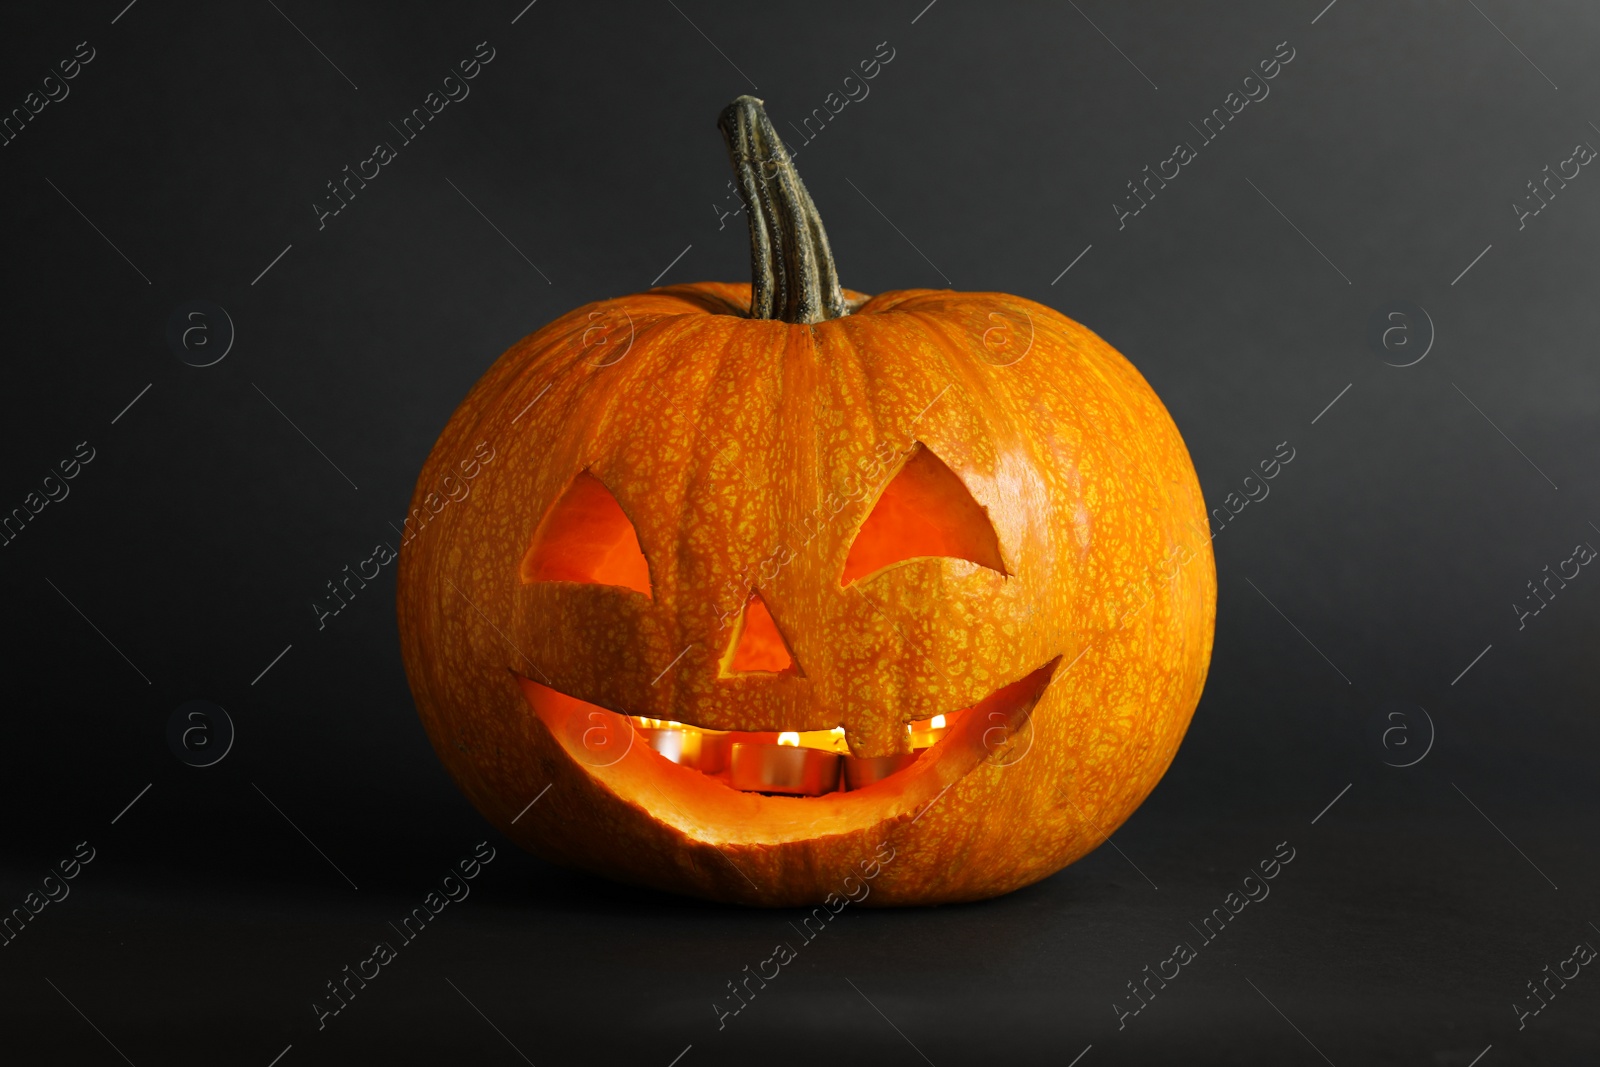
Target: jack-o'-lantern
(781, 594)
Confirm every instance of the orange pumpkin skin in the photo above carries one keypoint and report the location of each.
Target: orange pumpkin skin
(742, 450)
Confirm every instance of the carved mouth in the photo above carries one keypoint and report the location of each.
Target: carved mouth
(811, 764)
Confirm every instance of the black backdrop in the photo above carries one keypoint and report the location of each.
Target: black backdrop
(1380, 175)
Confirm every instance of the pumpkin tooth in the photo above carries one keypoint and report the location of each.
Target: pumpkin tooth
(784, 763)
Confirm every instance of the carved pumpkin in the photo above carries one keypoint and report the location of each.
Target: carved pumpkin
(781, 594)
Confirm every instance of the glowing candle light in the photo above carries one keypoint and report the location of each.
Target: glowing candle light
(789, 768)
(789, 737)
(925, 733)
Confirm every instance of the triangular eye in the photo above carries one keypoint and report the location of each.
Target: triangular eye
(757, 646)
(924, 511)
(587, 538)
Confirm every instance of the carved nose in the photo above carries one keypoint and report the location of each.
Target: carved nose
(757, 645)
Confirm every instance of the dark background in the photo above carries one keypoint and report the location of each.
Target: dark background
(1386, 558)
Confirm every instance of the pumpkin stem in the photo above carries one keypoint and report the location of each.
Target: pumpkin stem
(791, 266)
